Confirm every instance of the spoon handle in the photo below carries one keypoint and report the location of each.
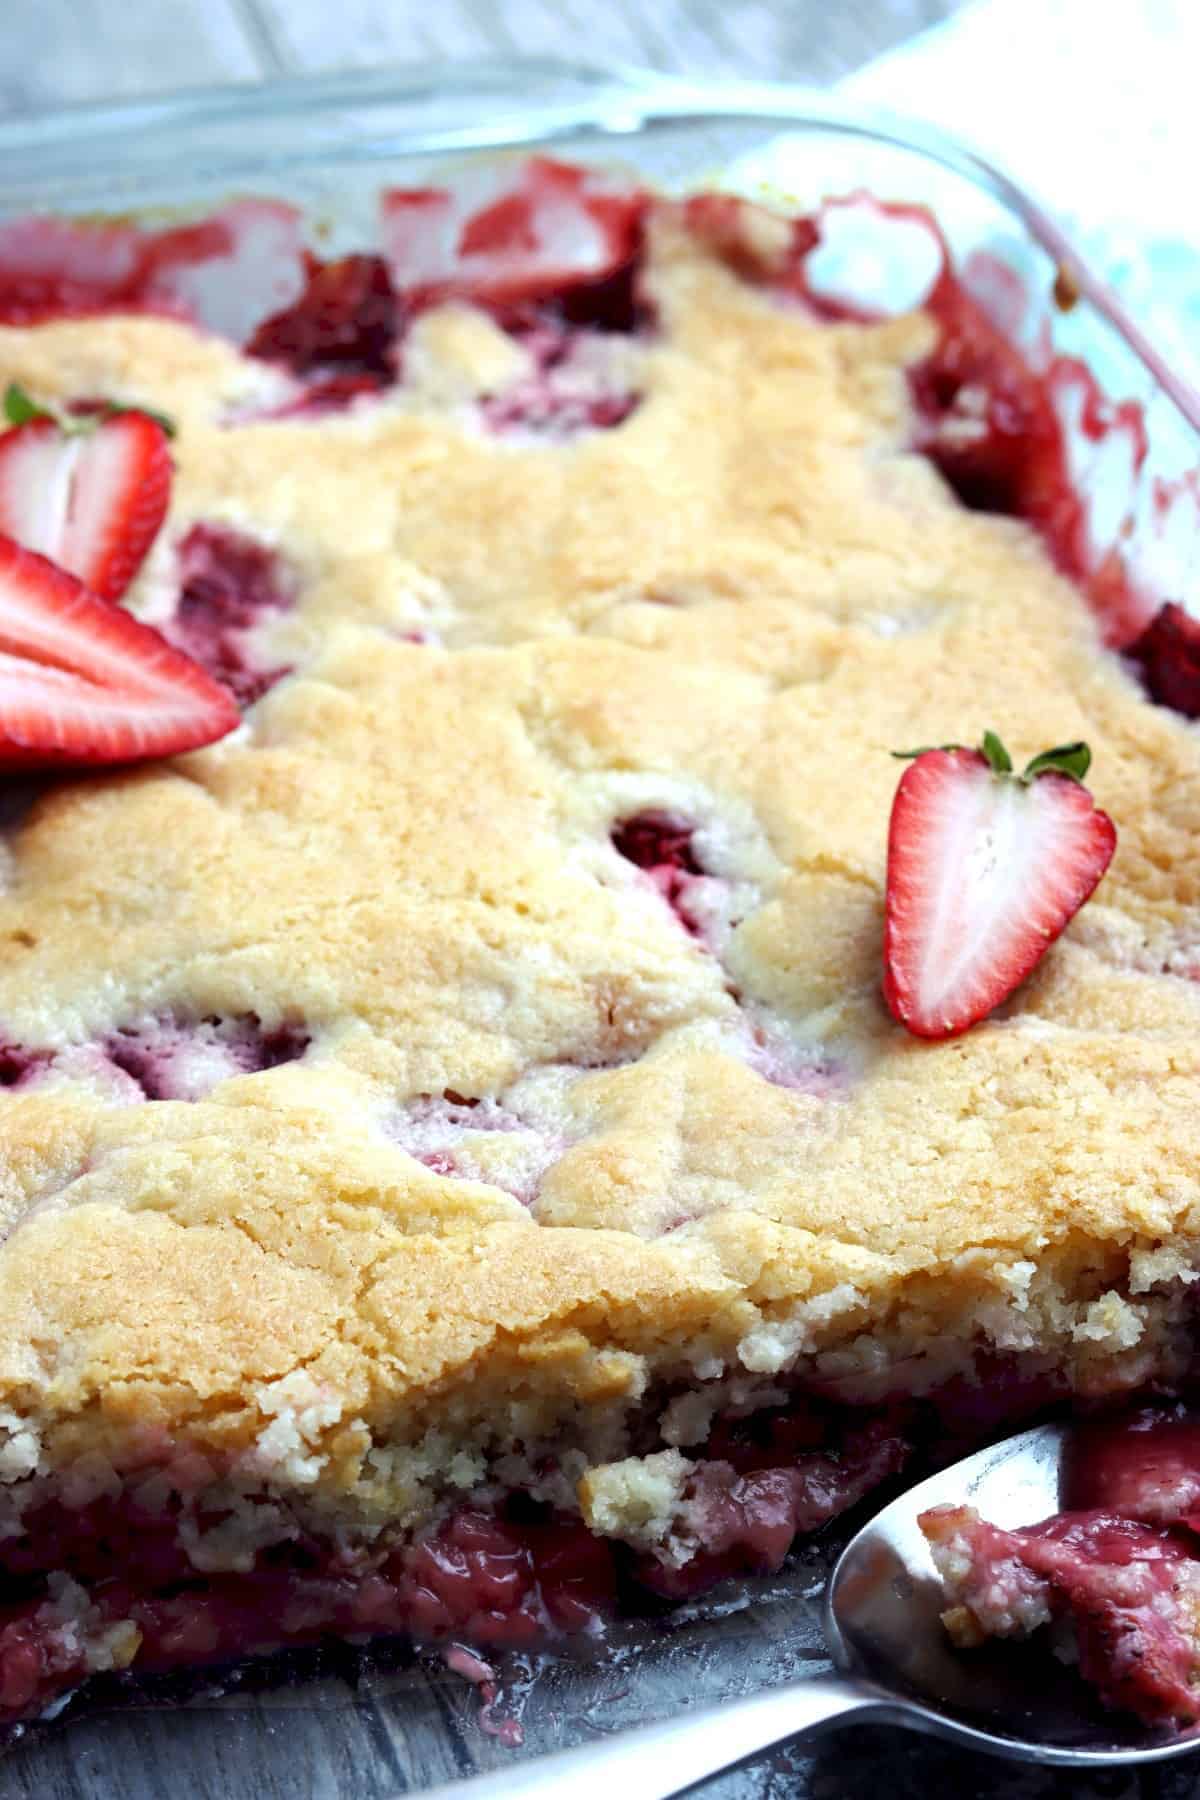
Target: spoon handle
(655, 1761)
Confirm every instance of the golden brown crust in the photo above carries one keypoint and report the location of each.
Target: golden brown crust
(732, 606)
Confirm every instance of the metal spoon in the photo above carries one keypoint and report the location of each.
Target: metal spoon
(894, 1666)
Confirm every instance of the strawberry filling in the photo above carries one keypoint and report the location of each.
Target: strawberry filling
(1126, 1590)
(662, 845)
(514, 1576)
(442, 1132)
(173, 1060)
(343, 327)
(495, 1582)
(749, 1504)
(1168, 654)
(989, 423)
(163, 1059)
(19, 1065)
(572, 388)
(230, 586)
(1146, 1466)
(548, 250)
(1119, 1567)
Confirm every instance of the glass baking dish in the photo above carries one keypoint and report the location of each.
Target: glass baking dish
(380, 1721)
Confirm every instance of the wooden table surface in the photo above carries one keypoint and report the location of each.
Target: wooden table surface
(53, 51)
(405, 1729)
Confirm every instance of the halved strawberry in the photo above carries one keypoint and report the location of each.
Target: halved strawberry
(504, 235)
(83, 682)
(985, 869)
(89, 493)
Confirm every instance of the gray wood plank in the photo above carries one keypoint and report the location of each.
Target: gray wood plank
(58, 51)
(804, 40)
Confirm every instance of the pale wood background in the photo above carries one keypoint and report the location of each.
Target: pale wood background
(54, 51)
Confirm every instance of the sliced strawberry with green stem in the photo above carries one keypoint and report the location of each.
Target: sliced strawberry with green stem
(90, 493)
(83, 682)
(985, 869)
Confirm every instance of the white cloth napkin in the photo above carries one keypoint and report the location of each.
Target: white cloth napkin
(1092, 105)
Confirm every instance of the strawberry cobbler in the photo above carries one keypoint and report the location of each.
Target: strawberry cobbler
(491, 1125)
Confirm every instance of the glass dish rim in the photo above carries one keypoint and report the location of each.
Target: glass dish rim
(610, 99)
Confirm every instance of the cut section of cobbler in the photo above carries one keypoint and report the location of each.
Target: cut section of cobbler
(1112, 1583)
(163, 1558)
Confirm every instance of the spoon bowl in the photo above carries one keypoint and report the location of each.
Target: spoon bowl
(894, 1662)
(882, 1621)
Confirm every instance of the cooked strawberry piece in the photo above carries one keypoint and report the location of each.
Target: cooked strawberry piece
(18, 1064)
(988, 421)
(230, 585)
(90, 498)
(1169, 653)
(747, 1515)
(82, 681)
(346, 321)
(657, 840)
(1143, 1465)
(182, 1059)
(504, 236)
(663, 846)
(1125, 1588)
(613, 303)
(985, 869)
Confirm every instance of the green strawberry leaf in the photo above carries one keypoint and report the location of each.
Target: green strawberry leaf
(997, 756)
(19, 409)
(1066, 759)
